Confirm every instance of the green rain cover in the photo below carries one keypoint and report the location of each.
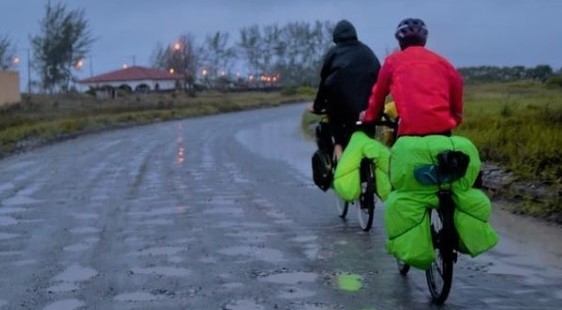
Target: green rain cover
(406, 216)
(346, 178)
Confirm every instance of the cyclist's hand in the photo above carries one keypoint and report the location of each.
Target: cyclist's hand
(310, 107)
(362, 116)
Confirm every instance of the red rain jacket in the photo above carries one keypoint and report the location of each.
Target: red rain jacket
(427, 90)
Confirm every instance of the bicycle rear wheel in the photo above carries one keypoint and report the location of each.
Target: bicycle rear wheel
(366, 207)
(440, 274)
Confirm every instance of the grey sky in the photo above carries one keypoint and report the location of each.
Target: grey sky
(475, 32)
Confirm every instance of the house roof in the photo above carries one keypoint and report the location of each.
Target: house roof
(132, 74)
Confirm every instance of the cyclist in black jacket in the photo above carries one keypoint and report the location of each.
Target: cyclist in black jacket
(348, 74)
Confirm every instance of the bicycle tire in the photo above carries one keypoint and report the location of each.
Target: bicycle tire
(443, 264)
(366, 206)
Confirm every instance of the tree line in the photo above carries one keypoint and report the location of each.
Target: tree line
(290, 54)
(507, 74)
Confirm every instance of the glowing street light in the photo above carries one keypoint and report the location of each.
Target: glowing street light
(79, 64)
(125, 66)
(16, 61)
(172, 70)
(177, 46)
(204, 72)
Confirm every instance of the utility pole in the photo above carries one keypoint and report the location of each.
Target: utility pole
(91, 66)
(28, 72)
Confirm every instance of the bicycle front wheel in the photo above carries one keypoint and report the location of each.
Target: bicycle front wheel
(366, 207)
(440, 274)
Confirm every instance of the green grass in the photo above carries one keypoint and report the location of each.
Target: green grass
(42, 119)
(518, 125)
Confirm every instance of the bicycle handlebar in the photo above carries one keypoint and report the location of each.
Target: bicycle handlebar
(385, 120)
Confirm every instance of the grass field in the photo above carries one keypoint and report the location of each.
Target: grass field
(42, 119)
(518, 125)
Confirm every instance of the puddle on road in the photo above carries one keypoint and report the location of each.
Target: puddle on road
(232, 286)
(250, 235)
(316, 307)
(85, 230)
(349, 282)
(6, 236)
(528, 240)
(157, 222)
(175, 259)
(20, 201)
(290, 278)
(136, 297)
(159, 211)
(305, 239)
(284, 222)
(63, 288)
(243, 305)
(7, 221)
(11, 210)
(163, 271)
(209, 260)
(6, 187)
(263, 254)
(67, 304)
(241, 224)
(296, 293)
(78, 247)
(25, 262)
(76, 273)
(223, 211)
(169, 251)
(85, 216)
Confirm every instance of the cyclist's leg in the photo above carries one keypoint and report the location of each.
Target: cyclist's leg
(338, 136)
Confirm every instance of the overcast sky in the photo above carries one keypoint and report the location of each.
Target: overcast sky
(468, 32)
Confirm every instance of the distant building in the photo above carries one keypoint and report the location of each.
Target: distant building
(9, 87)
(132, 79)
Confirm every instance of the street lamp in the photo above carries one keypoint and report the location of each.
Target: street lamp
(16, 61)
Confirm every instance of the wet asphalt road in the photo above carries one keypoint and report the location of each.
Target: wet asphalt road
(217, 213)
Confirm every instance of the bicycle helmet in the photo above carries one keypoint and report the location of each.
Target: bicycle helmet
(410, 32)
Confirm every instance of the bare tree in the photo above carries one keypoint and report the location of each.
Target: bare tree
(6, 53)
(63, 42)
(217, 56)
(179, 57)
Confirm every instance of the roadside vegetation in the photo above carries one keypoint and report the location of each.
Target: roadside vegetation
(42, 119)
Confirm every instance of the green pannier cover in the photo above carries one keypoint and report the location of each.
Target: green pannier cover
(407, 227)
(411, 152)
(406, 216)
(471, 220)
(346, 179)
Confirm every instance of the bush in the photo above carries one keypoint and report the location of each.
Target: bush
(289, 91)
(306, 91)
(554, 82)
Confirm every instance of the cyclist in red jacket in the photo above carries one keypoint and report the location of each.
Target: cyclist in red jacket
(426, 88)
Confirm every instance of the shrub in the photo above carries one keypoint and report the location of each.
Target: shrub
(554, 82)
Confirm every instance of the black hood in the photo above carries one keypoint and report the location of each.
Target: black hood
(344, 31)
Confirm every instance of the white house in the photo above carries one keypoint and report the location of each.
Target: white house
(136, 78)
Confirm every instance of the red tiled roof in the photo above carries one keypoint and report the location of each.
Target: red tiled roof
(132, 74)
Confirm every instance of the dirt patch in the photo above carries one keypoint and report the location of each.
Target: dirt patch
(538, 199)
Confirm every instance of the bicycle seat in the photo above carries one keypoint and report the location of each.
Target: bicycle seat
(450, 167)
